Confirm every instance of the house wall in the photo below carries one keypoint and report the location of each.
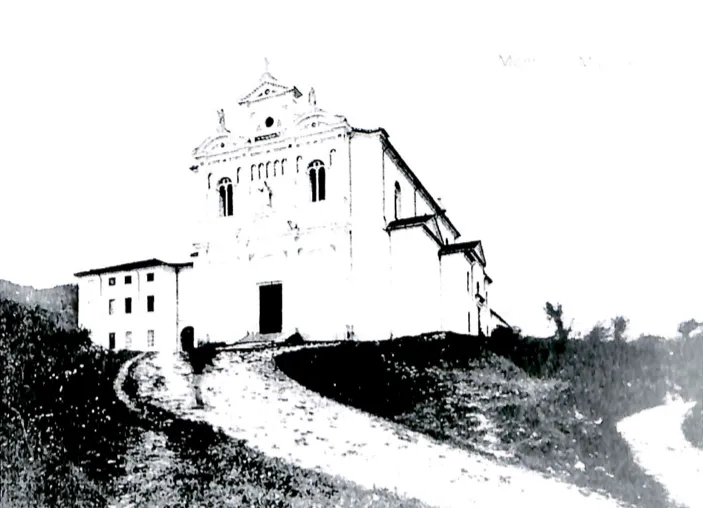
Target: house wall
(96, 293)
(457, 302)
(416, 280)
(289, 240)
(370, 246)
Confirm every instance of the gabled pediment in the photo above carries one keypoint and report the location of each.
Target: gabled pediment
(268, 87)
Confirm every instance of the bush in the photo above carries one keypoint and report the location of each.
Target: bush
(57, 388)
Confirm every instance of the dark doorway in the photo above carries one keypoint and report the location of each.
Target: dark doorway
(187, 339)
(112, 341)
(270, 308)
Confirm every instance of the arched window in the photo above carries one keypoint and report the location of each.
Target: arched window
(317, 180)
(283, 166)
(268, 166)
(275, 167)
(261, 167)
(238, 170)
(298, 160)
(396, 202)
(332, 153)
(253, 167)
(224, 189)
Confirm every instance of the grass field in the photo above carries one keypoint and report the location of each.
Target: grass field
(457, 390)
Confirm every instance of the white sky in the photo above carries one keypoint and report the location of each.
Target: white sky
(583, 182)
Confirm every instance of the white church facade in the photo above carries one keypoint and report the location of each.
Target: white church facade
(309, 225)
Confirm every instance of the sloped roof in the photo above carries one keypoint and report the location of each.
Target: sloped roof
(409, 222)
(473, 246)
(136, 265)
(499, 318)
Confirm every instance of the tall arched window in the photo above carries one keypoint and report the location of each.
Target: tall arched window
(224, 189)
(396, 202)
(275, 168)
(268, 166)
(261, 167)
(283, 167)
(298, 160)
(238, 170)
(317, 180)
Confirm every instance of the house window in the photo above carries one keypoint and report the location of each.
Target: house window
(111, 281)
(150, 338)
(238, 170)
(477, 289)
(150, 304)
(111, 307)
(317, 180)
(396, 201)
(128, 340)
(127, 279)
(149, 277)
(111, 338)
(224, 188)
(127, 305)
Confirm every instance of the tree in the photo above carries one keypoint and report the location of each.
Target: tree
(556, 314)
(619, 324)
(687, 327)
(598, 333)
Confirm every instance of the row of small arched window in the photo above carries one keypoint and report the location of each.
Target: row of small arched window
(316, 173)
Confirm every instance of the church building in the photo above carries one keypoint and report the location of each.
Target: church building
(311, 225)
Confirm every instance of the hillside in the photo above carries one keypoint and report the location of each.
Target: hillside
(61, 301)
(549, 405)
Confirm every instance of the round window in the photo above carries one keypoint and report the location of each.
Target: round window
(269, 122)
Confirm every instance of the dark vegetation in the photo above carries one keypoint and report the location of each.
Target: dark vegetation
(693, 425)
(554, 403)
(62, 426)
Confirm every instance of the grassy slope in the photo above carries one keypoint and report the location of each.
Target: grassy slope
(56, 389)
(66, 440)
(208, 468)
(447, 388)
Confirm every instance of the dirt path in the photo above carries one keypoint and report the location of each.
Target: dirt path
(249, 399)
(661, 449)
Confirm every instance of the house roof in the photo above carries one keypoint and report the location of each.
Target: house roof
(393, 153)
(497, 316)
(473, 247)
(135, 265)
(408, 222)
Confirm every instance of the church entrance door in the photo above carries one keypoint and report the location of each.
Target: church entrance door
(270, 308)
